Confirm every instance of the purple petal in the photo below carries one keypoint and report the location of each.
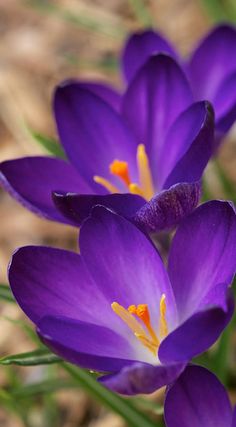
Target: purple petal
(141, 378)
(48, 281)
(92, 133)
(31, 180)
(197, 399)
(156, 96)
(87, 345)
(188, 146)
(77, 207)
(104, 91)
(225, 104)
(168, 208)
(202, 256)
(234, 418)
(139, 47)
(213, 61)
(124, 263)
(196, 334)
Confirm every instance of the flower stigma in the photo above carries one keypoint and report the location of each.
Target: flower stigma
(138, 319)
(120, 168)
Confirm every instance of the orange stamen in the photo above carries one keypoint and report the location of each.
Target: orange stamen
(120, 169)
(163, 322)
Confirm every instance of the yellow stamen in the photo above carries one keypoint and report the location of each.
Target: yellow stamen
(131, 322)
(135, 189)
(163, 322)
(145, 176)
(105, 183)
(149, 344)
(120, 169)
(143, 314)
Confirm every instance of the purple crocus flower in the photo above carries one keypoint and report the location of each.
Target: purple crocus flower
(198, 399)
(115, 308)
(211, 68)
(144, 162)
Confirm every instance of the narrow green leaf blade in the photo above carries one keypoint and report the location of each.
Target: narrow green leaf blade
(50, 144)
(36, 357)
(43, 387)
(6, 294)
(123, 407)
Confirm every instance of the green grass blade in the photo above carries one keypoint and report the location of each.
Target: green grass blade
(6, 294)
(49, 144)
(123, 407)
(36, 357)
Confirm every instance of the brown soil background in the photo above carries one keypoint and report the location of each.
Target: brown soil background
(37, 50)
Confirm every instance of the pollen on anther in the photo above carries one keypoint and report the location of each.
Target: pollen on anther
(120, 169)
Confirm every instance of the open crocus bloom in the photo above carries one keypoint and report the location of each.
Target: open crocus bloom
(115, 308)
(198, 399)
(211, 68)
(144, 162)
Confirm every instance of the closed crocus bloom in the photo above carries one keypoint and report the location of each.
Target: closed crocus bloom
(144, 162)
(211, 68)
(115, 308)
(198, 399)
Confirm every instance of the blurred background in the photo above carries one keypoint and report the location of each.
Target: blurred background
(41, 43)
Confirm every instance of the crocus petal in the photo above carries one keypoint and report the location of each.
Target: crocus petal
(142, 378)
(197, 399)
(196, 334)
(104, 91)
(213, 61)
(168, 208)
(47, 281)
(202, 256)
(156, 96)
(87, 345)
(125, 263)
(234, 418)
(188, 146)
(139, 47)
(92, 133)
(31, 180)
(77, 207)
(225, 104)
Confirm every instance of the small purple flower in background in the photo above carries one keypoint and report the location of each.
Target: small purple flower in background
(151, 154)
(198, 399)
(116, 309)
(211, 68)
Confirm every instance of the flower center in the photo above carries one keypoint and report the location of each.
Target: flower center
(138, 319)
(120, 169)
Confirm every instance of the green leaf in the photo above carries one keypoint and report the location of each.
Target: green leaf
(228, 186)
(123, 407)
(6, 294)
(50, 144)
(141, 11)
(43, 387)
(36, 357)
(221, 10)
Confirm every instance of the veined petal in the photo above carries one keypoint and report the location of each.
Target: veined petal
(196, 334)
(139, 47)
(77, 207)
(104, 91)
(197, 399)
(92, 133)
(188, 146)
(142, 378)
(225, 104)
(31, 180)
(212, 61)
(154, 99)
(202, 256)
(87, 345)
(47, 281)
(125, 264)
(168, 208)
